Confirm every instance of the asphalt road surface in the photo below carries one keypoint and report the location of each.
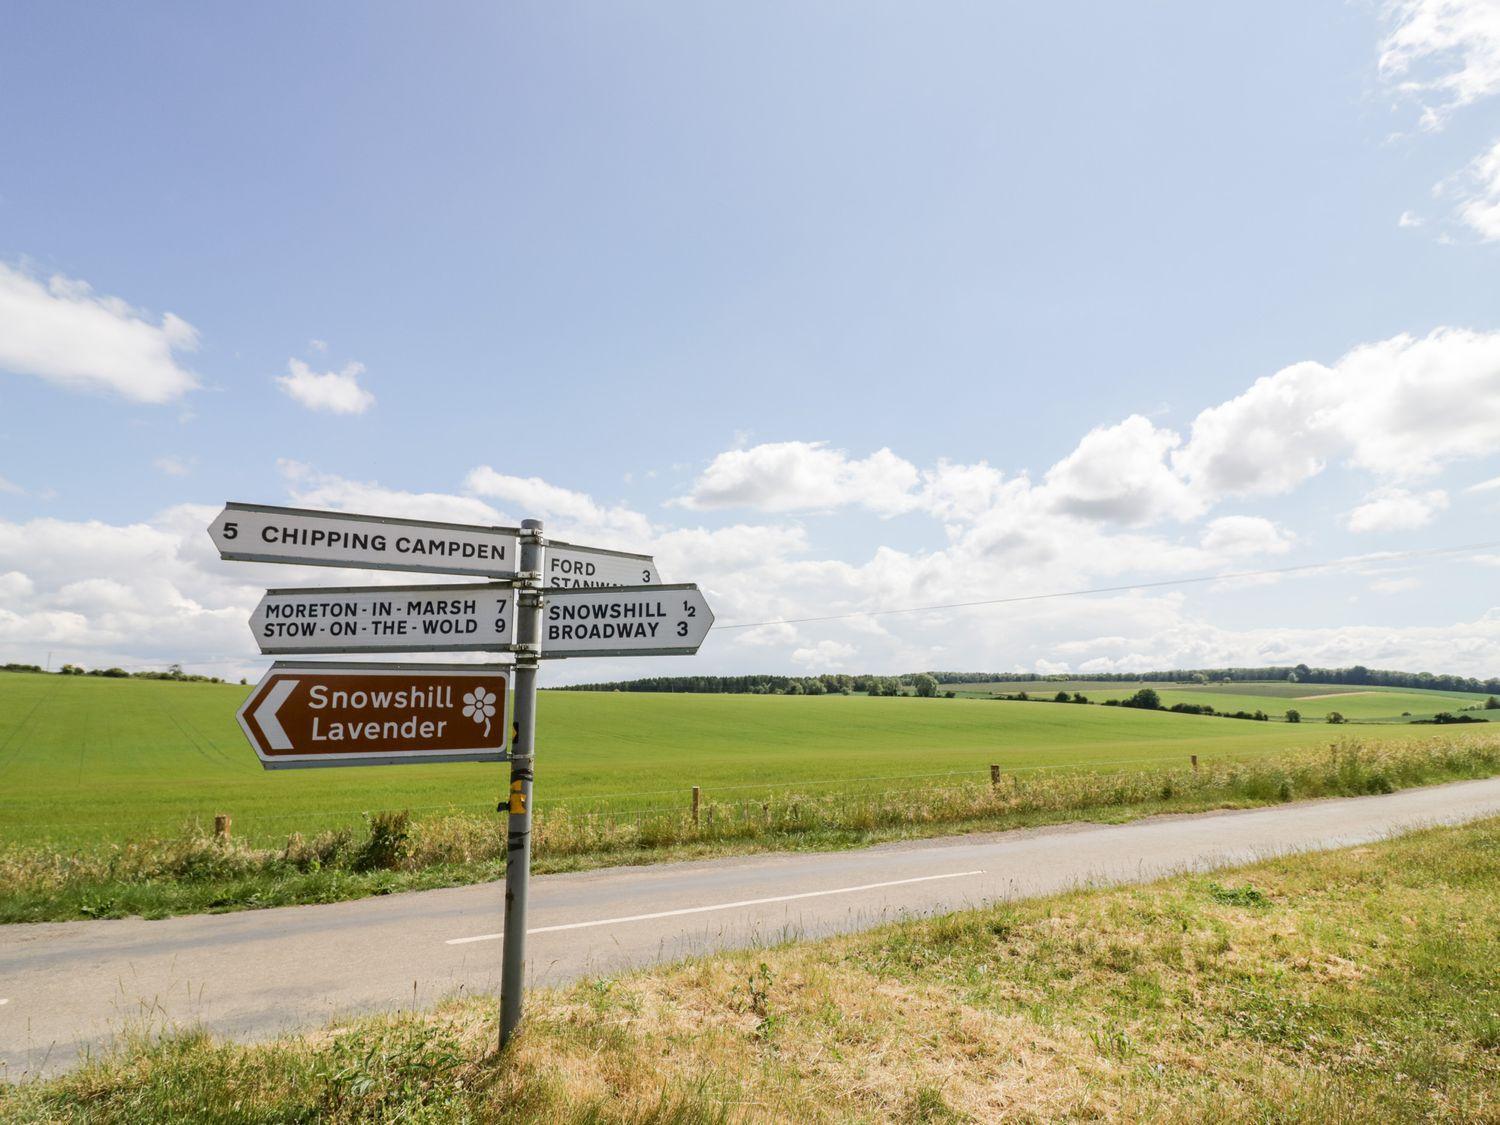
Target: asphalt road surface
(67, 988)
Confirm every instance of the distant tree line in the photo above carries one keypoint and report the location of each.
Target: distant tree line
(173, 672)
(1355, 674)
(1147, 699)
(913, 683)
(918, 683)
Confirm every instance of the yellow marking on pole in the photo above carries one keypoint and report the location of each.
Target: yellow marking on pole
(517, 798)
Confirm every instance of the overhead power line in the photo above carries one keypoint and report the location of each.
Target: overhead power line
(1348, 560)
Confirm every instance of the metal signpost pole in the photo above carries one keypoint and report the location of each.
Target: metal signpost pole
(518, 839)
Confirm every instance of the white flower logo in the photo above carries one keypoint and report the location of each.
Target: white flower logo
(479, 705)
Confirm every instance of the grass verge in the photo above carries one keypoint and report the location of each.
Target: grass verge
(196, 872)
(1348, 986)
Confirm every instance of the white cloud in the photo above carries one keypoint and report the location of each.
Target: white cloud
(1479, 191)
(337, 392)
(565, 512)
(14, 586)
(1395, 585)
(1402, 408)
(803, 476)
(314, 489)
(171, 465)
(1245, 535)
(1443, 53)
(1409, 219)
(825, 656)
(1396, 509)
(1121, 473)
(11, 487)
(1485, 485)
(61, 332)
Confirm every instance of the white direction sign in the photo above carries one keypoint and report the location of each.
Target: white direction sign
(263, 533)
(625, 621)
(457, 618)
(569, 566)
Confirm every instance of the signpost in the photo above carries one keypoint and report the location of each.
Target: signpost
(548, 601)
(340, 619)
(329, 714)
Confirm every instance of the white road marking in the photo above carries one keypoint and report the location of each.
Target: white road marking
(716, 906)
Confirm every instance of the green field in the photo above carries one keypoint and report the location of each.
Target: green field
(1313, 701)
(85, 760)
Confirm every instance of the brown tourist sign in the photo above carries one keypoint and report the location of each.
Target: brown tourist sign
(332, 714)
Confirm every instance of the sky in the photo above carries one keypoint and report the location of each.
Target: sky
(833, 308)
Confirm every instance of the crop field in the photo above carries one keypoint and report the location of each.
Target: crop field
(86, 760)
(1362, 703)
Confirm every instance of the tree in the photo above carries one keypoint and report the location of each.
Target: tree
(1146, 699)
(926, 686)
(1335, 718)
(1492, 704)
(1294, 716)
(1061, 697)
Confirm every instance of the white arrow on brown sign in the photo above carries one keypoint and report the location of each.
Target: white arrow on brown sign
(337, 714)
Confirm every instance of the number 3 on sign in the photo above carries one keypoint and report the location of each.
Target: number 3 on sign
(692, 611)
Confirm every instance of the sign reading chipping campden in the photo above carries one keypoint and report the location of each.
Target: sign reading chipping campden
(262, 533)
(337, 714)
(570, 566)
(625, 621)
(457, 618)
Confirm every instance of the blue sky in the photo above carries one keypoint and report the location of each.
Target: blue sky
(626, 266)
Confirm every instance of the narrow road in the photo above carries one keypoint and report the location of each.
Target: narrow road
(68, 987)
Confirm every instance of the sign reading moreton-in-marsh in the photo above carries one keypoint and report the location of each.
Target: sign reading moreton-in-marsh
(374, 714)
(544, 600)
(340, 619)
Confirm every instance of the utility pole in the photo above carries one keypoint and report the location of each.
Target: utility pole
(528, 585)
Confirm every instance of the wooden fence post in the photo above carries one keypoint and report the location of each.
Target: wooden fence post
(697, 794)
(995, 777)
(1195, 763)
(221, 826)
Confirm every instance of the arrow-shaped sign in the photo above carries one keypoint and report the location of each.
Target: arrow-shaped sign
(376, 714)
(625, 621)
(456, 618)
(569, 566)
(264, 533)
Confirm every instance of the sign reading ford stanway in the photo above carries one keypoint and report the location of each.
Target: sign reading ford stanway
(335, 714)
(625, 621)
(338, 619)
(263, 533)
(570, 566)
